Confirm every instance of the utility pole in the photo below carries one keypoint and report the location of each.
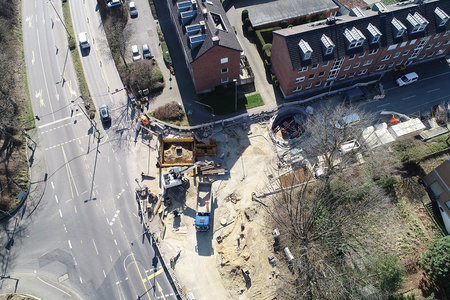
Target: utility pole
(70, 36)
(235, 94)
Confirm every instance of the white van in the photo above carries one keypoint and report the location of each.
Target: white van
(83, 39)
(347, 120)
(407, 79)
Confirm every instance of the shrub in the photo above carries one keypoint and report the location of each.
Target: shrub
(436, 262)
(387, 182)
(171, 111)
(267, 48)
(390, 273)
(244, 15)
(247, 22)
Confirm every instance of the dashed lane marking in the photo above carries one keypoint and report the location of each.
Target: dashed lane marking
(70, 245)
(64, 143)
(56, 198)
(60, 213)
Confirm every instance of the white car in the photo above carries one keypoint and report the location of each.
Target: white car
(135, 52)
(146, 51)
(83, 39)
(407, 79)
(112, 3)
(133, 10)
(347, 121)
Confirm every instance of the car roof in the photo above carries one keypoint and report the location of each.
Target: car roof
(132, 4)
(82, 36)
(145, 47)
(134, 48)
(411, 75)
(103, 106)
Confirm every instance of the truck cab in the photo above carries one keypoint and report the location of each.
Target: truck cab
(202, 222)
(203, 211)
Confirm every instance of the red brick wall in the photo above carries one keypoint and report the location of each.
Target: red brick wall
(207, 68)
(281, 63)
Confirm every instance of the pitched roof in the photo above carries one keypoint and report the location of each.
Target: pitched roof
(275, 11)
(215, 25)
(312, 32)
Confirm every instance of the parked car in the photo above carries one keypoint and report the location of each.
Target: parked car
(104, 113)
(83, 40)
(347, 121)
(135, 52)
(112, 3)
(407, 79)
(146, 51)
(133, 10)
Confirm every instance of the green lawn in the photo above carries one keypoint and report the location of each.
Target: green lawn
(222, 101)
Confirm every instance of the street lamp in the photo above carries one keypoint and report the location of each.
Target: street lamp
(235, 94)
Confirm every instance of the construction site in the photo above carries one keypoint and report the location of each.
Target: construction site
(202, 199)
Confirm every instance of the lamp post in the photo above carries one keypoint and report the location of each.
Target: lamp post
(235, 94)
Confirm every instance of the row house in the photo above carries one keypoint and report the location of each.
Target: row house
(210, 46)
(360, 47)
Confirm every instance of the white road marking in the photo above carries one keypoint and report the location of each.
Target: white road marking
(104, 274)
(65, 229)
(95, 246)
(49, 284)
(56, 198)
(104, 212)
(81, 280)
(110, 258)
(115, 242)
(112, 233)
(434, 90)
(51, 182)
(120, 254)
(60, 213)
(409, 97)
(75, 209)
(70, 245)
(135, 215)
(383, 104)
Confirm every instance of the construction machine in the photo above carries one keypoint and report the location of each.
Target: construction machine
(175, 178)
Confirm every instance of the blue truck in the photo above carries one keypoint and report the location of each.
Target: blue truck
(203, 211)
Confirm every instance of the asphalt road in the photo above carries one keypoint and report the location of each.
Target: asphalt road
(84, 239)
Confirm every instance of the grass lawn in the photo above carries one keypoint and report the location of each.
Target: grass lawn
(222, 101)
(417, 149)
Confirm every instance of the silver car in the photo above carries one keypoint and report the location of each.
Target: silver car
(146, 51)
(133, 10)
(135, 52)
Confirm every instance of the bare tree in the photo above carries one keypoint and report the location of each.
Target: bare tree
(326, 131)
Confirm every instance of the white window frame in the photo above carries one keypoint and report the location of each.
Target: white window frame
(352, 57)
(303, 69)
(308, 86)
(397, 54)
(392, 47)
(325, 64)
(368, 62)
(437, 44)
(405, 53)
(224, 80)
(356, 65)
(380, 67)
(313, 76)
(429, 46)
(387, 57)
(342, 77)
(373, 51)
(351, 75)
(347, 67)
(403, 44)
(362, 72)
(399, 63)
(412, 42)
(222, 72)
(297, 89)
(318, 83)
(224, 60)
(315, 66)
(323, 74)
(437, 35)
(362, 54)
(391, 64)
(440, 52)
(446, 33)
(430, 54)
(299, 79)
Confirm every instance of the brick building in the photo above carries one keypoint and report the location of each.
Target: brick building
(211, 48)
(360, 47)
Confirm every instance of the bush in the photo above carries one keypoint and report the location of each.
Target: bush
(171, 111)
(436, 262)
(247, 22)
(390, 273)
(387, 182)
(244, 15)
(267, 48)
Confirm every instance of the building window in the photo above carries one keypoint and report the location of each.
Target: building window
(437, 35)
(429, 46)
(308, 86)
(362, 54)
(351, 75)
(224, 70)
(352, 57)
(446, 33)
(408, 62)
(347, 67)
(399, 63)
(440, 52)
(397, 54)
(438, 44)
(224, 60)
(392, 47)
(405, 53)
(325, 64)
(321, 74)
(297, 89)
(314, 66)
(413, 42)
(304, 69)
(318, 83)
(390, 65)
(300, 79)
(422, 56)
(224, 80)
(387, 57)
(342, 77)
(431, 54)
(374, 51)
(368, 62)
(403, 44)
(362, 72)
(447, 42)
(381, 67)
(311, 76)
(328, 83)
(356, 65)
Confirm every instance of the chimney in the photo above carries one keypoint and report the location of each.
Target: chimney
(194, 4)
(215, 40)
